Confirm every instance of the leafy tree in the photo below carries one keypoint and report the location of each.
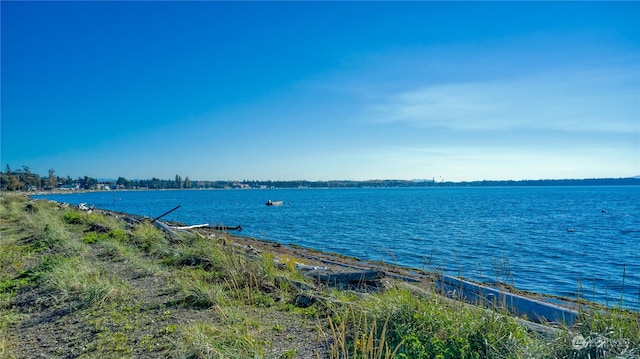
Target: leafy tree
(123, 182)
(154, 183)
(187, 182)
(61, 180)
(178, 181)
(4, 180)
(15, 184)
(52, 182)
(10, 180)
(26, 179)
(87, 182)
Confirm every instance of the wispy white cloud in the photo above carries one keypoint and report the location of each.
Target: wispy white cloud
(589, 100)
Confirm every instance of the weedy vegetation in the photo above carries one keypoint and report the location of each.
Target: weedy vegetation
(79, 284)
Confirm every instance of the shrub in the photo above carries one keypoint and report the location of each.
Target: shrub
(72, 217)
(114, 234)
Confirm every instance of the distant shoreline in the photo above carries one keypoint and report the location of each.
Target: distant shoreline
(262, 185)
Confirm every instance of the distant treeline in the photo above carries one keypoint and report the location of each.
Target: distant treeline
(430, 183)
(25, 180)
(421, 183)
(632, 181)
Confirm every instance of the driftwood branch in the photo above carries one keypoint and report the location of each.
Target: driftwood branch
(164, 214)
(193, 226)
(226, 228)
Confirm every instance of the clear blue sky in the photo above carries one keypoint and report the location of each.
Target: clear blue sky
(328, 90)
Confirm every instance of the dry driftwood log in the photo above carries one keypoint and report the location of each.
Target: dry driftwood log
(345, 278)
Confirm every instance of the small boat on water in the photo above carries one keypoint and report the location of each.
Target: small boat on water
(274, 203)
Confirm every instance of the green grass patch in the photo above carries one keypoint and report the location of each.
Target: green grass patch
(199, 290)
(149, 239)
(77, 279)
(205, 340)
(114, 234)
(72, 217)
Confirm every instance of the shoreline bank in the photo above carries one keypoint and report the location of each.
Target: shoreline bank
(103, 284)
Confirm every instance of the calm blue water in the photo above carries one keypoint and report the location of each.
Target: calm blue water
(517, 235)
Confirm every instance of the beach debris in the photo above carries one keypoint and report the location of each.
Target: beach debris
(227, 228)
(252, 250)
(578, 342)
(249, 249)
(369, 278)
(130, 220)
(98, 228)
(192, 226)
(304, 300)
(165, 227)
(195, 261)
(164, 214)
(303, 267)
(282, 264)
(84, 207)
(174, 228)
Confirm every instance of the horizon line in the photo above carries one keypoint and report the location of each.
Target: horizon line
(417, 180)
